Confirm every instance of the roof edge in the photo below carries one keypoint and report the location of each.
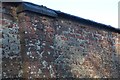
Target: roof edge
(88, 22)
(27, 6)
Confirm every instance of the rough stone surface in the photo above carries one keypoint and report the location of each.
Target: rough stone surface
(10, 41)
(36, 46)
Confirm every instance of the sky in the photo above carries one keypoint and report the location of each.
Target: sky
(102, 11)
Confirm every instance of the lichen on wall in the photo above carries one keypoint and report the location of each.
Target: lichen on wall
(37, 35)
(11, 58)
(0, 41)
(39, 46)
(87, 51)
(64, 48)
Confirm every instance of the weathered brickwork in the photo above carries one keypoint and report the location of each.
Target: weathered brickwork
(64, 48)
(118, 44)
(11, 57)
(0, 42)
(37, 46)
(89, 52)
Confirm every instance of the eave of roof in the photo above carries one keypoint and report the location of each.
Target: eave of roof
(26, 6)
(40, 9)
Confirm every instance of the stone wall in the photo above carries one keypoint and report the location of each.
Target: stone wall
(11, 47)
(0, 42)
(37, 46)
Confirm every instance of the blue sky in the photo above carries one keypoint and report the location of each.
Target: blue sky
(102, 11)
